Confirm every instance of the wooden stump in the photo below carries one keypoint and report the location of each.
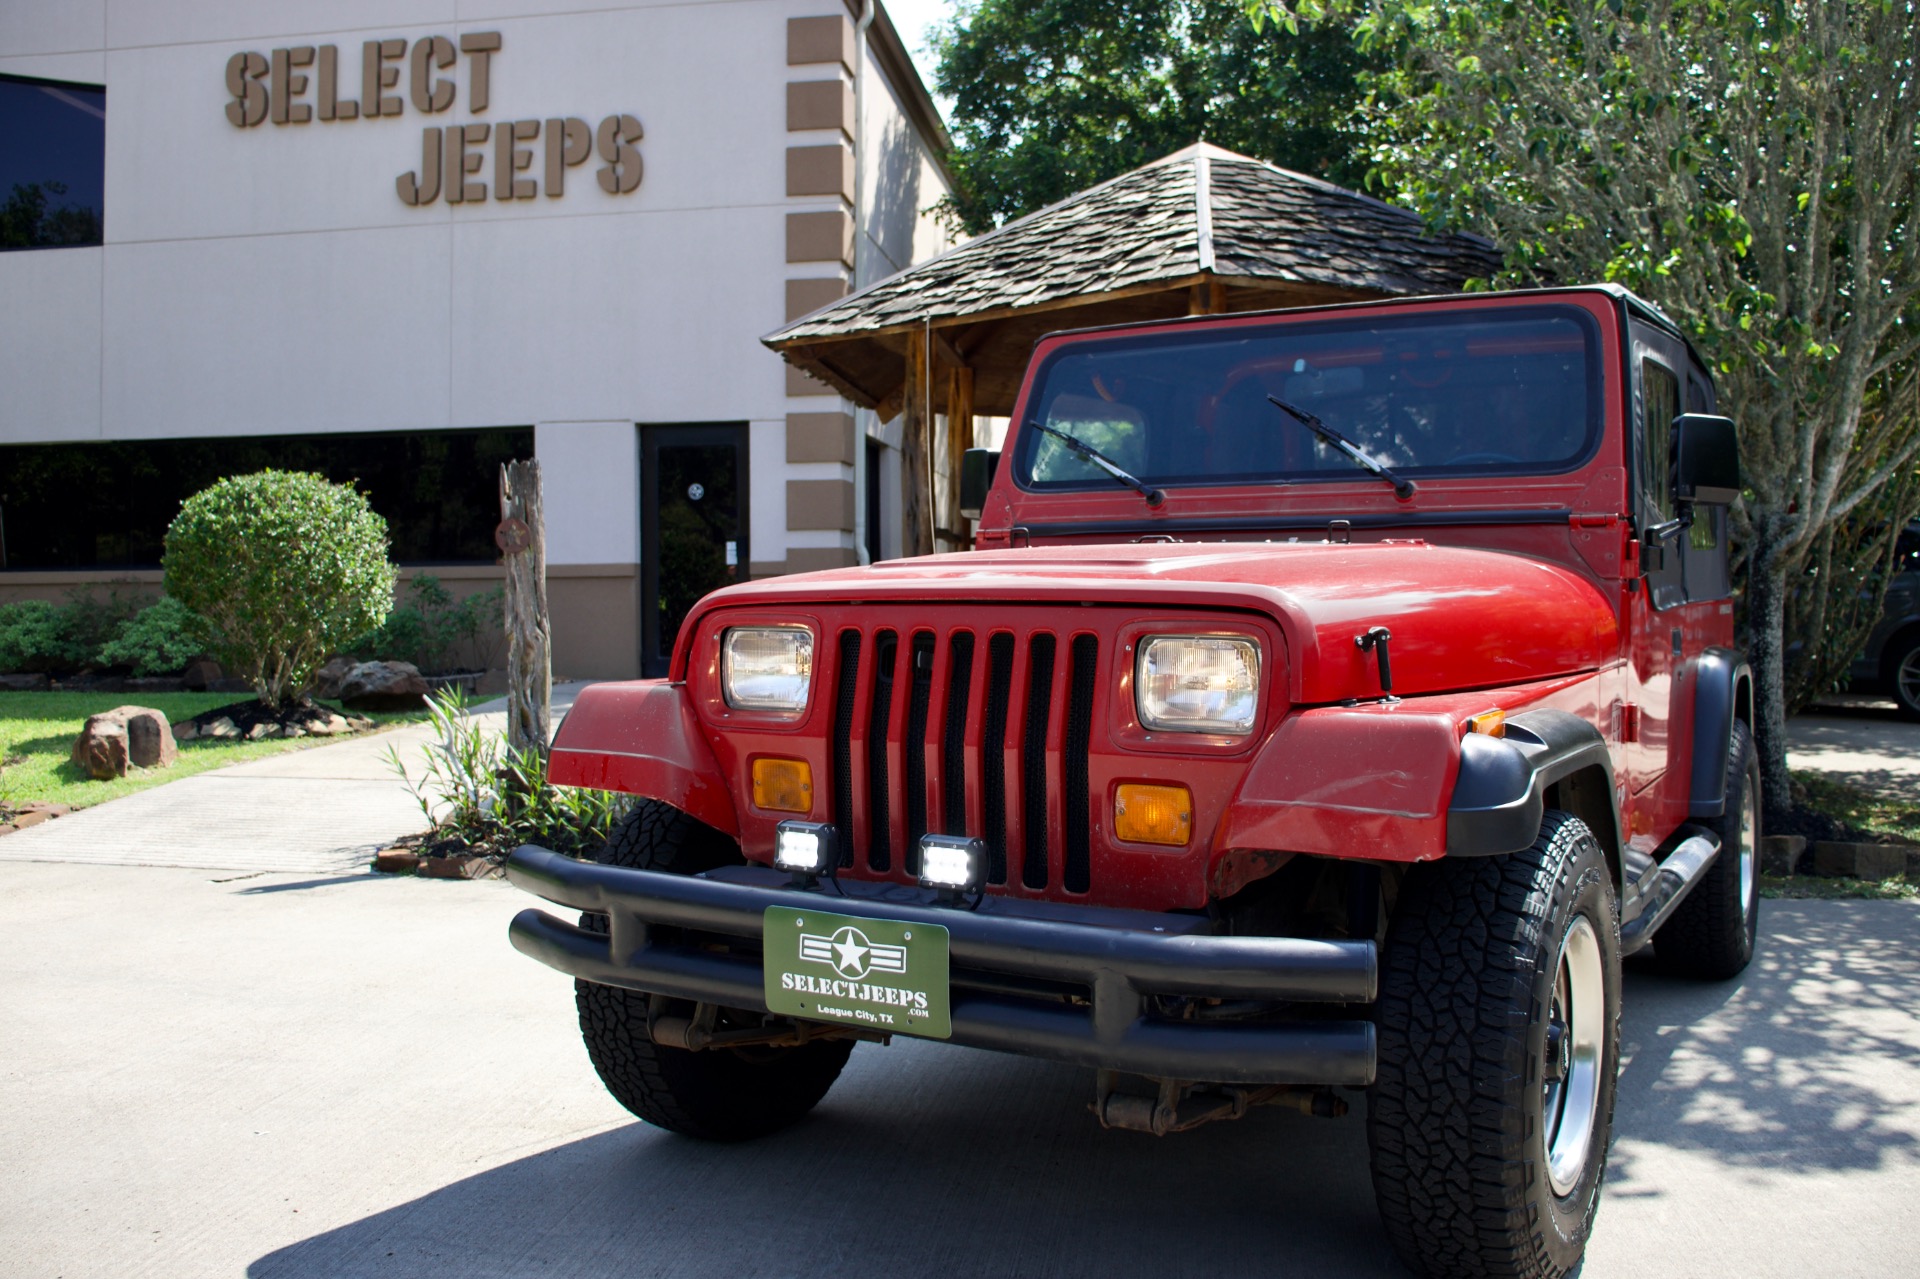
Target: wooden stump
(522, 539)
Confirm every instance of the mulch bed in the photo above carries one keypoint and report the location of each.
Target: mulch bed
(253, 719)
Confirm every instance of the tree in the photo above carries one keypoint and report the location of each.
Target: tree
(1053, 96)
(1752, 169)
(280, 569)
(27, 223)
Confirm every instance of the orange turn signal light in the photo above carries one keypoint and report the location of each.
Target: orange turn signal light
(1145, 814)
(1492, 723)
(783, 785)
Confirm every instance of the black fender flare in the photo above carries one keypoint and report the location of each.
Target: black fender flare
(1722, 695)
(1499, 799)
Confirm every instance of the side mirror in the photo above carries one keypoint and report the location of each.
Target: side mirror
(1707, 466)
(977, 467)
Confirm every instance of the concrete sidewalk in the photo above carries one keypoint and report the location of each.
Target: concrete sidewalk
(324, 810)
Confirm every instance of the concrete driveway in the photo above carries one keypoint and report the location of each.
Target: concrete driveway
(346, 1076)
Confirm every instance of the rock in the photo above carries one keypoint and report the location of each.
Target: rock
(327, 680)
(396, 862)
(329, 727)
(457, 868)
(262, 730)
(146, 736)
(201, 675)
(222, 727)
(1781, 854)
(384, 686)
(31, 814)
(1859, 861)
(492, 683)
(185, 731)
(24, 683)
(101, 751)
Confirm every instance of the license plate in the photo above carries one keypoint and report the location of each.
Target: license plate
(876, 973)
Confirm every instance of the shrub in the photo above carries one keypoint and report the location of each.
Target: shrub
(435, 632)
(162, 638)
(33, 637)
(281, 568)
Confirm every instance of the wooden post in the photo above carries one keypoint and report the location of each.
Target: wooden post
(522, 538)
(959, 440)
(916, 479)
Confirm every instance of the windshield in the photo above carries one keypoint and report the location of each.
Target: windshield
(1507, 391)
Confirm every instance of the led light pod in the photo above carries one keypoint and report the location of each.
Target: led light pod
(806, 849)
(952, 863)
(767, 668)
(1198, 683)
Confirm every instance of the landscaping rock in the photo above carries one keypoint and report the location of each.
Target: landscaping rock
(396, 862)
(457, 868)
(327, 680)
(202, 675)
(384, 686)
(1782, 854)
(31, 814)
(146, 740)
(330, 726)
(222, 727)
(101, 751)
(1859, 861)
(34, 683)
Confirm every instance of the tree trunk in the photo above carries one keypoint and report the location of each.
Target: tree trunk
(523, 541)
(1766, 649)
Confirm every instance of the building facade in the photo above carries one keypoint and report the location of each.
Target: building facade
(403, 242)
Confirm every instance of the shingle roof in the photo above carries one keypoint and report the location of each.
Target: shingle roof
(1200, 210)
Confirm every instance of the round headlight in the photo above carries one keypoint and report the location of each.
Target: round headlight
(1198, 683)
(767, 668)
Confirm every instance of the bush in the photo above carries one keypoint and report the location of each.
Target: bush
(33, 637)
(159, 639)
(281, 568)
(435, 632)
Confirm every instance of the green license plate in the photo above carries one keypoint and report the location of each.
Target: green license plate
(875, 973)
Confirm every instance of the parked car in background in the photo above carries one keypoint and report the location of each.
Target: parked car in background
(1890, 664)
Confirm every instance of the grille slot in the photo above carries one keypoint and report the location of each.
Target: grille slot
(993, 760)
(1033, 761)
(1074, 803)
(843, 741)
(879, 718)
(920, 671)
(954, 748)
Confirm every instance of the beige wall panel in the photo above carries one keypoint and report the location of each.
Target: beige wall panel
(820, 437)
(819, 504)
(596, 622)
(828, 38)
(812, 559)
(766, 568)
(802, 383)
(820, 237)
(820, 104)
(823, 170)
(804, 296)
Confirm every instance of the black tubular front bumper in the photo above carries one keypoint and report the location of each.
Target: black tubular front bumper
(1070, 983)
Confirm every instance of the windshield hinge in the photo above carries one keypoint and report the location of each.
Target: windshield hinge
(1340, 532)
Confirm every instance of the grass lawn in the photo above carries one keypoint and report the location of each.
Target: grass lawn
(1861, 809)
(37, 732)
(1800, 886)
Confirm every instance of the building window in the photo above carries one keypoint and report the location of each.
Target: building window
(108, 504)
(52, 163)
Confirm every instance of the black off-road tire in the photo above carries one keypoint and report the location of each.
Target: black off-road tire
(1457, 1119)
(1712, 932)
(719, 1094)
(1900, 672)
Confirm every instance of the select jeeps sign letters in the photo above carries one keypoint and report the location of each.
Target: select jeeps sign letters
(453, 157)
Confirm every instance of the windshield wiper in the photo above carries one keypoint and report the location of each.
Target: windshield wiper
(1074, 445)
(1402, 489)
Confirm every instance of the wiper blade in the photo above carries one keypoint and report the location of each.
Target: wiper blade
(1076, 445)
(1402, 489)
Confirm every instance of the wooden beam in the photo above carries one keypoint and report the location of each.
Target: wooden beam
(916, 474)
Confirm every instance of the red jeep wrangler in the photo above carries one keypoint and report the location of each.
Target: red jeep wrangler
(1335, 696)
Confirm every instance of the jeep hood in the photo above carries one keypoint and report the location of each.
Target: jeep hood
(1460, 618)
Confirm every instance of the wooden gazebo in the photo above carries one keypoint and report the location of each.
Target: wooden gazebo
(1200, 232)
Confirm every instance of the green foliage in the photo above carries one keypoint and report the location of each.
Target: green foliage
(281, 568)
(435, 632)
(159, 639)
(33, 637)
(1052, 96)
(480, 793)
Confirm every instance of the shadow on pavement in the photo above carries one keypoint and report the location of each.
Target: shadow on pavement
(361, 876)
(1803, 1064)
(925, 1160)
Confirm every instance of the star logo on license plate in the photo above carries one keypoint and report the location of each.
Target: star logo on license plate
(849, 953)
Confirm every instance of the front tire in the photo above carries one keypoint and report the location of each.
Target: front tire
(1900, 672)
(1499, 1046)
(717, 1094)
